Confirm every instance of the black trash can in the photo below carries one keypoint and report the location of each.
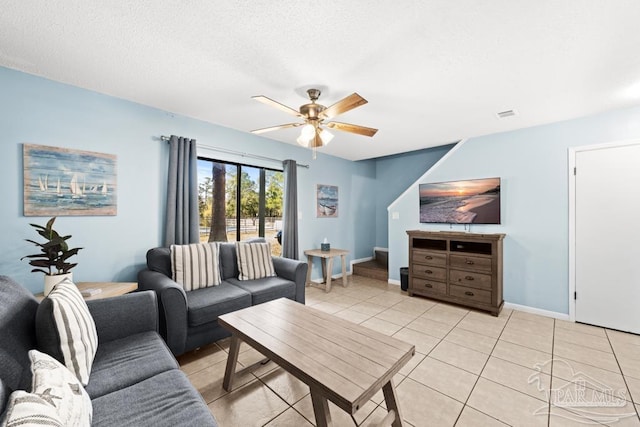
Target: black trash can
(404, 278)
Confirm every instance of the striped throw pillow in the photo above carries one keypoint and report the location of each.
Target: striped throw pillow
(76, 329)
(254, 260)
(196, 266)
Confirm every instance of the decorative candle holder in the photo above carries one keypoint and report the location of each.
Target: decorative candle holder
(325, 247)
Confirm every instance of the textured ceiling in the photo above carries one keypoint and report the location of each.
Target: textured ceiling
(433, 71)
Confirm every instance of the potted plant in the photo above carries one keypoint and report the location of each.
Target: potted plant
(53, 259)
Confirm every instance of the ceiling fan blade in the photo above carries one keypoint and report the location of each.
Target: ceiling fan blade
(269, 129)
(349, 103)
(348, 127)
(276, 104)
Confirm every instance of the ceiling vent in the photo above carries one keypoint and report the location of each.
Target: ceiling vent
(506, 113)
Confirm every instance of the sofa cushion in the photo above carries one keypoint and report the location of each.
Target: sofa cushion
(267, 289)
(126, 361)
(254, 260)
(205, 305)
(18, 313)
(196, 265)
(159, 259)
(166, 399)
(228, 260)
(64, 315)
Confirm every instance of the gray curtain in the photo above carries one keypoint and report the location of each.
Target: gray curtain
(182, 218)
(290, 215)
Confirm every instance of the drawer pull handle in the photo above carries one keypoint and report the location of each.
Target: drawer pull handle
(469, 278)
(428, 257)
(469, 293)
(428, 271)
(469, 262)
(428, 285)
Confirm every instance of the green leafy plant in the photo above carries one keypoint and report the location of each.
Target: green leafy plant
(54, 252)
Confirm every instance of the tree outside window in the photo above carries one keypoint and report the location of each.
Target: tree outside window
(237, 202)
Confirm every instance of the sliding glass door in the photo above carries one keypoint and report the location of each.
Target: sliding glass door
(238, 202)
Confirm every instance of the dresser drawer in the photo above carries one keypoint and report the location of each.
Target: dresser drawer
(470, 278)
(431, 258)
(429, 272)
(470, 294)
(470, 263)
(422, 286)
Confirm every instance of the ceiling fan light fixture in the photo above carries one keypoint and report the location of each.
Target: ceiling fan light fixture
(326, 136)
(307, 134)
(302, 141)
(308, 131)
(312, 135)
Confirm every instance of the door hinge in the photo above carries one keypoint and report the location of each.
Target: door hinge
(574, 171)
(575, 295)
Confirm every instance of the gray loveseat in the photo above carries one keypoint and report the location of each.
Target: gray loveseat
(189, 320)
(135, 380)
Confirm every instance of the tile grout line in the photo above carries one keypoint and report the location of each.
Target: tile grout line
(553, 346)
(457, 326)
(281, 398)
(552, 377)
(465, 404)
(624, 379)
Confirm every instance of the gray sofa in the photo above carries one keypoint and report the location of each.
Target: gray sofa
(135, 380)
(189, 320)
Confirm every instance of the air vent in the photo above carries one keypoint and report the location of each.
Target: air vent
(506, 113)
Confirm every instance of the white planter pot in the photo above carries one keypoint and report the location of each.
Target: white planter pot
(51, 281)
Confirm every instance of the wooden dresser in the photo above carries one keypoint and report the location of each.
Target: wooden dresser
(461, 268)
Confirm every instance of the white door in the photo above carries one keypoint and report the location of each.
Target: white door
(607, 237)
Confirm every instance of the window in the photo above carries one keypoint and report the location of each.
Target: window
(237, 202)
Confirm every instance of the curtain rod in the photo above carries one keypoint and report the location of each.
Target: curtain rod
(239, 153)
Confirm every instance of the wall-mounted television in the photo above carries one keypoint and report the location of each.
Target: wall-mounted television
(473, 201)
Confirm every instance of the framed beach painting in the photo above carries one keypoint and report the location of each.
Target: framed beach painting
(326, 201)
(65, 182)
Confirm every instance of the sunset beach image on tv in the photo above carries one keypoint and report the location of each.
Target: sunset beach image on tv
(474, 201)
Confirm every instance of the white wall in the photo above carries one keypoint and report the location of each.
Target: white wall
(533, 166)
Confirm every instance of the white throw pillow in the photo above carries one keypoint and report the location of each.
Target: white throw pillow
(254, 260)
(76, 329)
(196, 266)
(57, 398)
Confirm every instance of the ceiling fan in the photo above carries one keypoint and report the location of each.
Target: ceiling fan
(313, 135)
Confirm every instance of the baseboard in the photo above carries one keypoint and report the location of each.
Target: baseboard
(524, 308)
(320, 280)
(538, 311)
(355, 261)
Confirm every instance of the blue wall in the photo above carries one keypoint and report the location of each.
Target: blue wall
(394, 174)
(533, 165)
(39, 111)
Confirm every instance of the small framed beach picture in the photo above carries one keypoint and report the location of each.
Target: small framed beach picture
(326, 201)
(65, 182)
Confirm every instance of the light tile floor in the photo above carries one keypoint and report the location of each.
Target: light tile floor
(470, 368)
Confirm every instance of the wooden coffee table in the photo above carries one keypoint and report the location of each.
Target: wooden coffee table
(340, 361)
